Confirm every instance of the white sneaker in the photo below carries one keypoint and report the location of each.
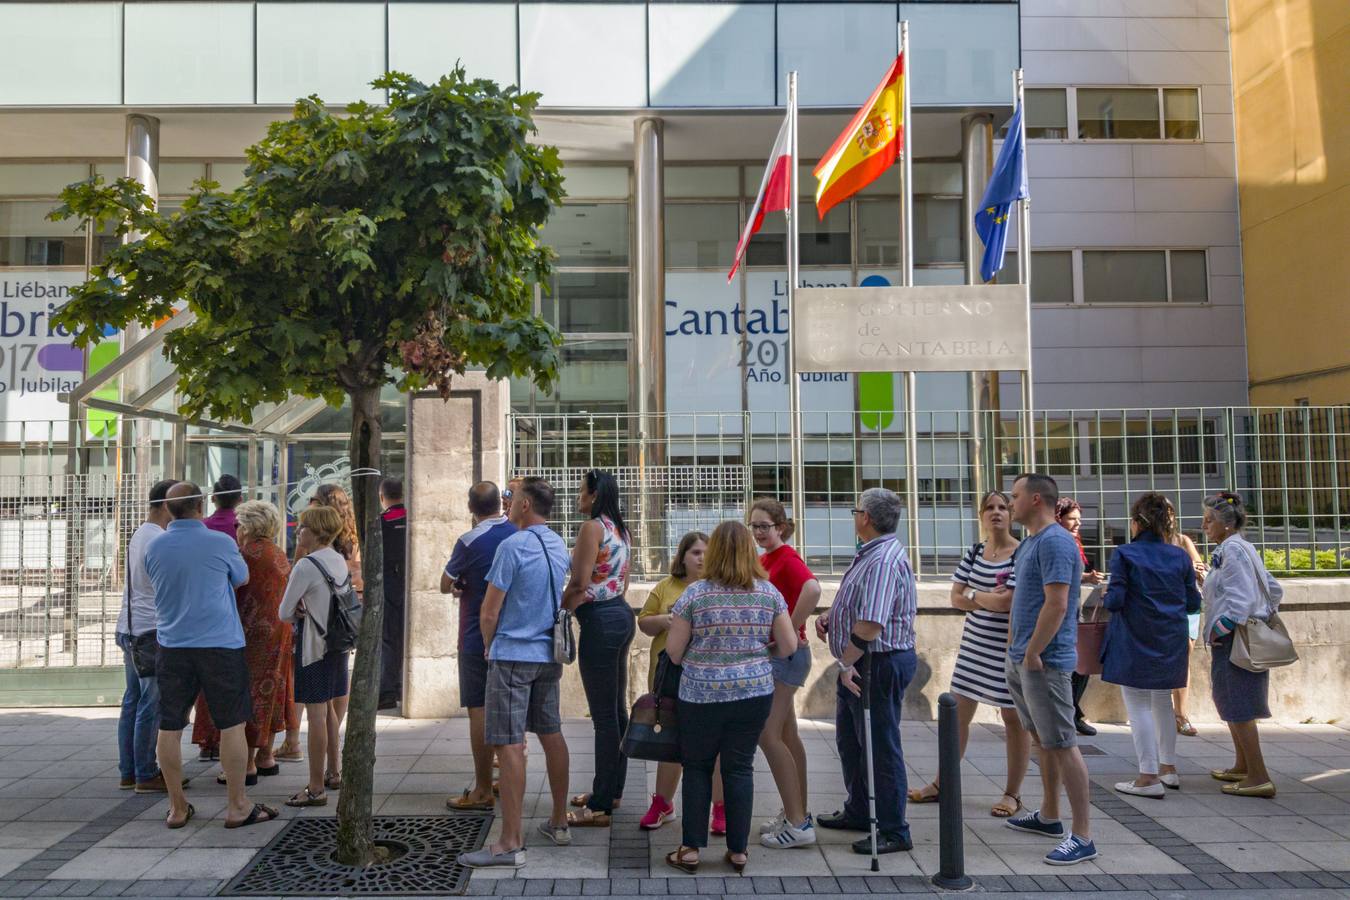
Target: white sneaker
(769, 826)
(1155, 791)
(790, 836)
(1171, 780)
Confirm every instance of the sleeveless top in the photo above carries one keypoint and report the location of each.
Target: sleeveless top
(611, 564)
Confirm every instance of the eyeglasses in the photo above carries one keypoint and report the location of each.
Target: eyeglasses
(858, 512)
(760, 526)
(507, 495)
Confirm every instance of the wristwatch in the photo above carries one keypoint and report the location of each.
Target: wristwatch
(969, 594)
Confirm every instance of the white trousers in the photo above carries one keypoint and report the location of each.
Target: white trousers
(1153, 727)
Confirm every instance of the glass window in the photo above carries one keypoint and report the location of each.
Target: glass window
(1124, 276)
(702, 181)
(174, 177)
(229, 175)
(1118, 114)
(879, 233)
(1189, 281)
(1051, 275)
(937, 230)
(1181, 112)
(588, 302)
(822, 243)
(589, 234)
(1047, 114)
(596, 182)
(701, 235)
(593, 376)
(28, 239)
(39, 179)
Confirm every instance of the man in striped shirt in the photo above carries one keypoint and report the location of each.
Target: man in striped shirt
(874, 609)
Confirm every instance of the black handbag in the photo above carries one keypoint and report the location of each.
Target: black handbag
(653, 724)
(144, 647)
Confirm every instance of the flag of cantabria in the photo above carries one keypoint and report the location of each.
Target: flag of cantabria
(775, 190)
(868, 146)
(1007, 185)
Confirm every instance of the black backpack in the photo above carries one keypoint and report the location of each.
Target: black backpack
(344, 613)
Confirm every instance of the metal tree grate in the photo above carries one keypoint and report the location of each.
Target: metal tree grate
(298, 861)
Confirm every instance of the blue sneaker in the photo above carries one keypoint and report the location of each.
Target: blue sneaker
(1033, 824)
(1071, 851)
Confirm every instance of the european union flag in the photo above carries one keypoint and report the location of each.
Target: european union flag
(1007, 185)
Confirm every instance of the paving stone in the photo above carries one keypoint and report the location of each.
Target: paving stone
(595, 887)
(1077, 882)
(169, 887)
(1299, 879)
(1049, 882)
(739, 886)
(1022, 883)
(709, 885)
(52, 888)
(18, 888)
(796, 884)
(538, 887)
(509, 887)
(915, 884)
(994, 884)
(1163, 882)
(767, 884)
(879, 884)
(566, 887)
(1326, 879)
(852, 884)
(1134, 882)
(1208, 870)
(823, 884)
(85, 887)
(649, 886)
(480, 888)
(1189, 882)
(623, 886)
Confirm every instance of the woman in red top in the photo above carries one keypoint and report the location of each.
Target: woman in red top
(781, 744)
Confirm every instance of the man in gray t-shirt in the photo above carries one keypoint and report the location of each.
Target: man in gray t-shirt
(1040, 662)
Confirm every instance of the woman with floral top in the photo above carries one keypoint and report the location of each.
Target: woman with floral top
(596, 592)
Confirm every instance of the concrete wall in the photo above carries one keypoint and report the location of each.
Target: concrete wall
(1317, 612)
(1133, 193)
(1291, 95)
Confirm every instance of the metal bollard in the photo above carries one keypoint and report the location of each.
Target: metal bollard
(952, 859)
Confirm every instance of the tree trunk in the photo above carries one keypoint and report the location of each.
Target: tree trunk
(354, 837)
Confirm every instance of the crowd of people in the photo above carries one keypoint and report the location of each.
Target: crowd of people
(218, 623)
(240, 631)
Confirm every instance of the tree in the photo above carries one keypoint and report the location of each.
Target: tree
(393, 244)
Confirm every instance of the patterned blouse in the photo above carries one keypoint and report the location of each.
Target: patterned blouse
(728, 654)
(611, 564)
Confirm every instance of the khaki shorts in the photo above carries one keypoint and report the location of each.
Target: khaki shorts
(1044, 702)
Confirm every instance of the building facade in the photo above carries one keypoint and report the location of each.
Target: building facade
(1294, 181)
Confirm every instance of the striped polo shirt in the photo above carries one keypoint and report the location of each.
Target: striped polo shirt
(878, 587)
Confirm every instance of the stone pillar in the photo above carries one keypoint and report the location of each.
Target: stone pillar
(451, 445)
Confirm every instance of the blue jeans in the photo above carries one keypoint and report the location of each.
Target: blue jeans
(138, 726)
(891, 674)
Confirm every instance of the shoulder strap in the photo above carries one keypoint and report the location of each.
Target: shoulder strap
(552, 584)
(332, 584)
(130, 630)
(1259, 574)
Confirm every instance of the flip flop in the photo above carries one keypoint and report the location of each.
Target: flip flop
(192, 811)
(269, 771)
(258, 809)
(1185, 728)
(462, 803)
(305, 797)
(917, 795)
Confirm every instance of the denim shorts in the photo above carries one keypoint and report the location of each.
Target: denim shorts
(473, 668)
(1044, 702)
(793, 670)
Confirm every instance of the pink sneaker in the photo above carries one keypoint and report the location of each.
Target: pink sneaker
(719, 819)
(659, 813)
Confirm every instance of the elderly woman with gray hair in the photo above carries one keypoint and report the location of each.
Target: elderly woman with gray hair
(1237, 588)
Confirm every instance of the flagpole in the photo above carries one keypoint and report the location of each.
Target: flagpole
(794, 382)
(1024, 276)
(907, 280)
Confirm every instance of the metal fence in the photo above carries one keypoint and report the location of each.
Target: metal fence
(1291, 465)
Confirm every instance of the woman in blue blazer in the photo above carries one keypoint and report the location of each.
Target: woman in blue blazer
(1151, 591)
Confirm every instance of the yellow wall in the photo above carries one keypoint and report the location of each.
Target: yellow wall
(1291, 84)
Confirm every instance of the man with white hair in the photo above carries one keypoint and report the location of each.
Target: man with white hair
(874, 610)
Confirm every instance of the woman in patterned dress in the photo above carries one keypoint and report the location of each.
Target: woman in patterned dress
(982, 587)
(596, 591)
(267, 640)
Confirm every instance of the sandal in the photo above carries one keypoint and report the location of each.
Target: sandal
(678, 859)
(739, 867)
(306, 797)
(255, 816)
(249, 779)
(333, 781)
(192, 811)
(917, 795)
(589, 818)
(1002, 810)
(462, 803)
(1184, 727)
(579, 800)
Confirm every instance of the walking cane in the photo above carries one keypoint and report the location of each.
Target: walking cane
(871, 765)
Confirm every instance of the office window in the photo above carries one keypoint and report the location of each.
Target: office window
(1051, 275)
(1190, 281)
(28, 239)
(588, 303)
(1181, 113)
(701, 235)
(1124, 276)
(879, 233)
(823, 243)
(937, 230)
(589, 234)
(1047, 115)
(1118, 114)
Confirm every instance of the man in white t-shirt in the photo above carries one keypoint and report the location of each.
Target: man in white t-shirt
(138, 726)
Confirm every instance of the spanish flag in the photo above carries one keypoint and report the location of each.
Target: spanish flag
(868, 146)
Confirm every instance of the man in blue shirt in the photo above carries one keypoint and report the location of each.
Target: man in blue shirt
(523, 596)
(1042, 654)
(201, 648)
(466, 575)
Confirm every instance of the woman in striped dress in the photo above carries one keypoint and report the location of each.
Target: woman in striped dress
(982, 587)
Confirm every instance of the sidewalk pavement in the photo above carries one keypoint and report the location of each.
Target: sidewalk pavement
(66, 829)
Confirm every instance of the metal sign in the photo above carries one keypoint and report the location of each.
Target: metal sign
(947, 328)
